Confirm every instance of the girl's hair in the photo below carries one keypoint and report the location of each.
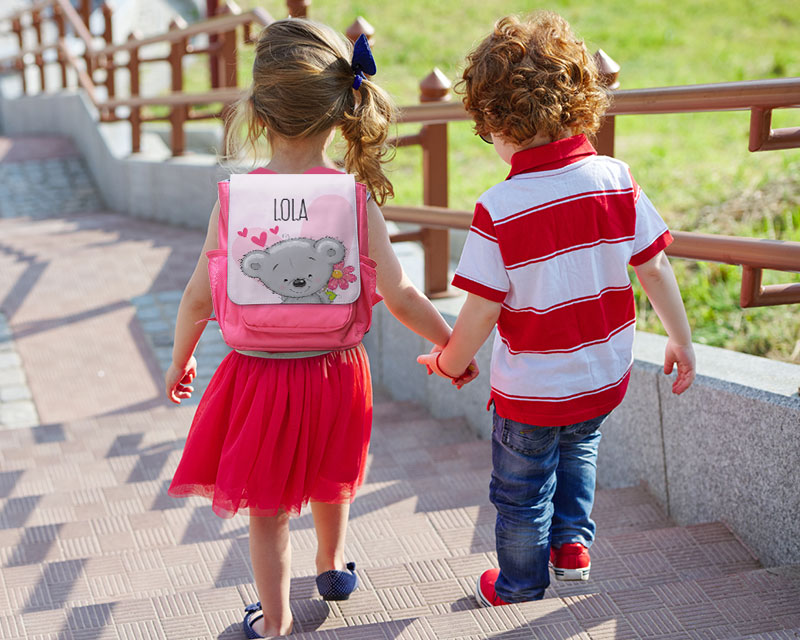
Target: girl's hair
(303, 87)
(530, 77)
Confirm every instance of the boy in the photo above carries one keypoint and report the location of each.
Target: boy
(546, 261)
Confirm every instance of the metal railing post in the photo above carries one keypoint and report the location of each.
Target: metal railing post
(609, 74)
(435, 87)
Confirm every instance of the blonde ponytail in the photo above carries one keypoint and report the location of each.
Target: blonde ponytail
(302, 87)
(365, 128)
(244, 133)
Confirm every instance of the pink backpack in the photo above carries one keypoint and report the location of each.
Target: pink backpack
(292, 271)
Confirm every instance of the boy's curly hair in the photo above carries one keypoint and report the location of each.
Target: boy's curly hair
(531, 77)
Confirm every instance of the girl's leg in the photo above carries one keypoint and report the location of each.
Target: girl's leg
(271, 555)
(330, 521)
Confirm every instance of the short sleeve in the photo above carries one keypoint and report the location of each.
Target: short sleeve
(652, 234)
(481, 269)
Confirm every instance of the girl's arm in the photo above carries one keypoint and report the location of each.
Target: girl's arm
(662, 290)
(474, 324)
(405, 302)
(194, 308)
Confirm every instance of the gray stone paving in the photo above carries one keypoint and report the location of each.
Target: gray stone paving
(16, 402)
(156, 313)
(39, 189)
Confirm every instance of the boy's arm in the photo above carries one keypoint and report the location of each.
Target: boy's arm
(662, 290)
(474, 324)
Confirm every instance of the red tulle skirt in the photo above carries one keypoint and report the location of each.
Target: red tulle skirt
(272, 434)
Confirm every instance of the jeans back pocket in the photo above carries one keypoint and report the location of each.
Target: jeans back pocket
(527, 439)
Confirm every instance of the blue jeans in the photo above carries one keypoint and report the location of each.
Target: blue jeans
(542, 485)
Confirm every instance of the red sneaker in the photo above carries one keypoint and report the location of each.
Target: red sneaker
(571, 562)
(484, 589)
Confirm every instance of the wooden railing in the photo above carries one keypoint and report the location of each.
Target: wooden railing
(754, 255)
(102, 60)
(434, 113)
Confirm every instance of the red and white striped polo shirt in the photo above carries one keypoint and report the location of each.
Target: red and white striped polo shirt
(552, 244)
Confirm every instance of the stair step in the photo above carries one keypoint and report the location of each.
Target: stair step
(88, 538)
(747, 605)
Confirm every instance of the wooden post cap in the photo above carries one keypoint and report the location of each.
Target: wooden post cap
(608, 68)
(435, 87)
(358, 28)
(298, 8)
(177, 22)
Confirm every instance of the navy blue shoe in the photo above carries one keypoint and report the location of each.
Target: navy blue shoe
(337, 585)
(252, 612)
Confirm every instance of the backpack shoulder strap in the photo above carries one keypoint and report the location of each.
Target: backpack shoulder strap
(361, 213)
(223, 193)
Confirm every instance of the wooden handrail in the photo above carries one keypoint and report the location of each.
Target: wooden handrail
(752, 252)
(84, 80)
(36, 6)
(230, 94)
(35, 51)
(74, 19)
(723, 96)
(766, 254)
(428, 216)
(219, 24)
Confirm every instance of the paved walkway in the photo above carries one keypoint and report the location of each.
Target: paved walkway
(91, 547)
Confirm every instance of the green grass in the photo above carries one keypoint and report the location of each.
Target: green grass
(694, 167)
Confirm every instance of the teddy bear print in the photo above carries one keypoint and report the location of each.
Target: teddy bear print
(298, 269)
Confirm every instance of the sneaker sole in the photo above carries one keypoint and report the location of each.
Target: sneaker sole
(479, 595)
(571, 574)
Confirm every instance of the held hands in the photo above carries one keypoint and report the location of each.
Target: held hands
(431, 362)
(177, 380)
(683, 356)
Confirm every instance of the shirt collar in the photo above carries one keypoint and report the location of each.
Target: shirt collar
(553, 155)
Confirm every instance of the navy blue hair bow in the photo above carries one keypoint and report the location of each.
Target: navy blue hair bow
(363, 64)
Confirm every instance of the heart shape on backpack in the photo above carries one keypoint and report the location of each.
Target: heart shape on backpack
(243, 232)
(274, 230)
(260, 240)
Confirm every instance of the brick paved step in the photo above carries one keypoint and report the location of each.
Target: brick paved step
(98, 546)
(755, 604)
(405, 603)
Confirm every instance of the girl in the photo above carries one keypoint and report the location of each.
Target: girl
(273, 434)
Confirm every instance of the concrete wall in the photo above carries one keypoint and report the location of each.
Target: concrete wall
(150, 185)
(728, 449)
